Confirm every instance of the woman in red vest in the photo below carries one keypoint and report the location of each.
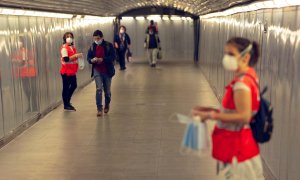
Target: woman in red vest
(25, 68)
(234, 147)
(69, 67)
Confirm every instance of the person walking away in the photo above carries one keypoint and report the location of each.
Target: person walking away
(101, 55)
(68, 70)
(152, 43)
(122, 44)
(234, 146)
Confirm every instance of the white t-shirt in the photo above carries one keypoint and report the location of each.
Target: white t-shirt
(64, 52)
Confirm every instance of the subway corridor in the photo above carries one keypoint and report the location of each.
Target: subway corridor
(136, 140)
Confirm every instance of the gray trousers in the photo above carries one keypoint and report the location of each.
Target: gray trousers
(152, 55)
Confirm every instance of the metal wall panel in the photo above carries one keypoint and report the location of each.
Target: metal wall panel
(278, 69)
(176, 38)
(37, 40)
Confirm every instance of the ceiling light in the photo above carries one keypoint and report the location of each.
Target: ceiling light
(175, 18)
(140, 18)
(127, 18)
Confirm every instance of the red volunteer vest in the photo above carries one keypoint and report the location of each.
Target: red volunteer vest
(27, 69)
(69, 68)
(236, 143)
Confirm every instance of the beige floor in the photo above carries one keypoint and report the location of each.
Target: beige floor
(136, 141)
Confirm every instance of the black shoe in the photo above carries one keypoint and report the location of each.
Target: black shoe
(122, 69)
(69, 108)
(153, 65)
(72, 106)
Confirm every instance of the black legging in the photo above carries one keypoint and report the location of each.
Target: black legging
(30, 89)
(121, 55)
(69, 86)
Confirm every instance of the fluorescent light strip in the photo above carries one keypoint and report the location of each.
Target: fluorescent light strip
(165, 18)
(175, 18)
(126, 18)
(154, 17)
(140, 18)
(21, 12)
(253, 7)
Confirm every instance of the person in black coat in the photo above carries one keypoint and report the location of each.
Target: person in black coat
(101, 55)
(122, 44)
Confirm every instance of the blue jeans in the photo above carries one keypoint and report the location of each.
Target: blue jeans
(103, 83)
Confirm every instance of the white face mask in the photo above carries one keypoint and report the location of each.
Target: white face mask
(230, 63)
(99, 42)
(122, 31)
(69, 40)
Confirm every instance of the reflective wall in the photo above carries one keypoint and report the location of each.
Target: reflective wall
(30, 82)
(177, 38)
(278, 32)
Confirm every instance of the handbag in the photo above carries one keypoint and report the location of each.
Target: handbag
(159, 54)
(129, 56)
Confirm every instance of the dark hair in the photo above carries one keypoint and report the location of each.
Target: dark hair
(65, 37)
(122, 26)
(242, 43)
(151, 22)
(98, 33)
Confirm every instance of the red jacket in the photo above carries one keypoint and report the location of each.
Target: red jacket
(69, 68)
(236, 139)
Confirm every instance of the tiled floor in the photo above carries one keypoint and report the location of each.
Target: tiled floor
(135, 141)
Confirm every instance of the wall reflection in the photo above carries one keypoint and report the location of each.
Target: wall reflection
(30, 60)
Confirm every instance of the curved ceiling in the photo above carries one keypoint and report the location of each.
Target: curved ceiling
(116, 7)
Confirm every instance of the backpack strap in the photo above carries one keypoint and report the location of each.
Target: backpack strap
(265, 88)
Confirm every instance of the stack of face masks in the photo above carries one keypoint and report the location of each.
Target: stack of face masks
(195, 139)
(81, 62)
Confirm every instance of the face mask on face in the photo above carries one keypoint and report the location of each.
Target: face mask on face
(69, 40)
(230, 63)
(99, 42)
(122, 31)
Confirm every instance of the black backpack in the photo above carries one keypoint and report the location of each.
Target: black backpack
(262, 122)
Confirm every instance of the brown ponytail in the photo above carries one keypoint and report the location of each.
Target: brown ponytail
(255, 53)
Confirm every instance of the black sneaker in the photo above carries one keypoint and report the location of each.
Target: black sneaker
(72, 106)
(69, 108)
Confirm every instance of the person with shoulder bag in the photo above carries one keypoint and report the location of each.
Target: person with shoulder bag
(152, 43)
(234, 146)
